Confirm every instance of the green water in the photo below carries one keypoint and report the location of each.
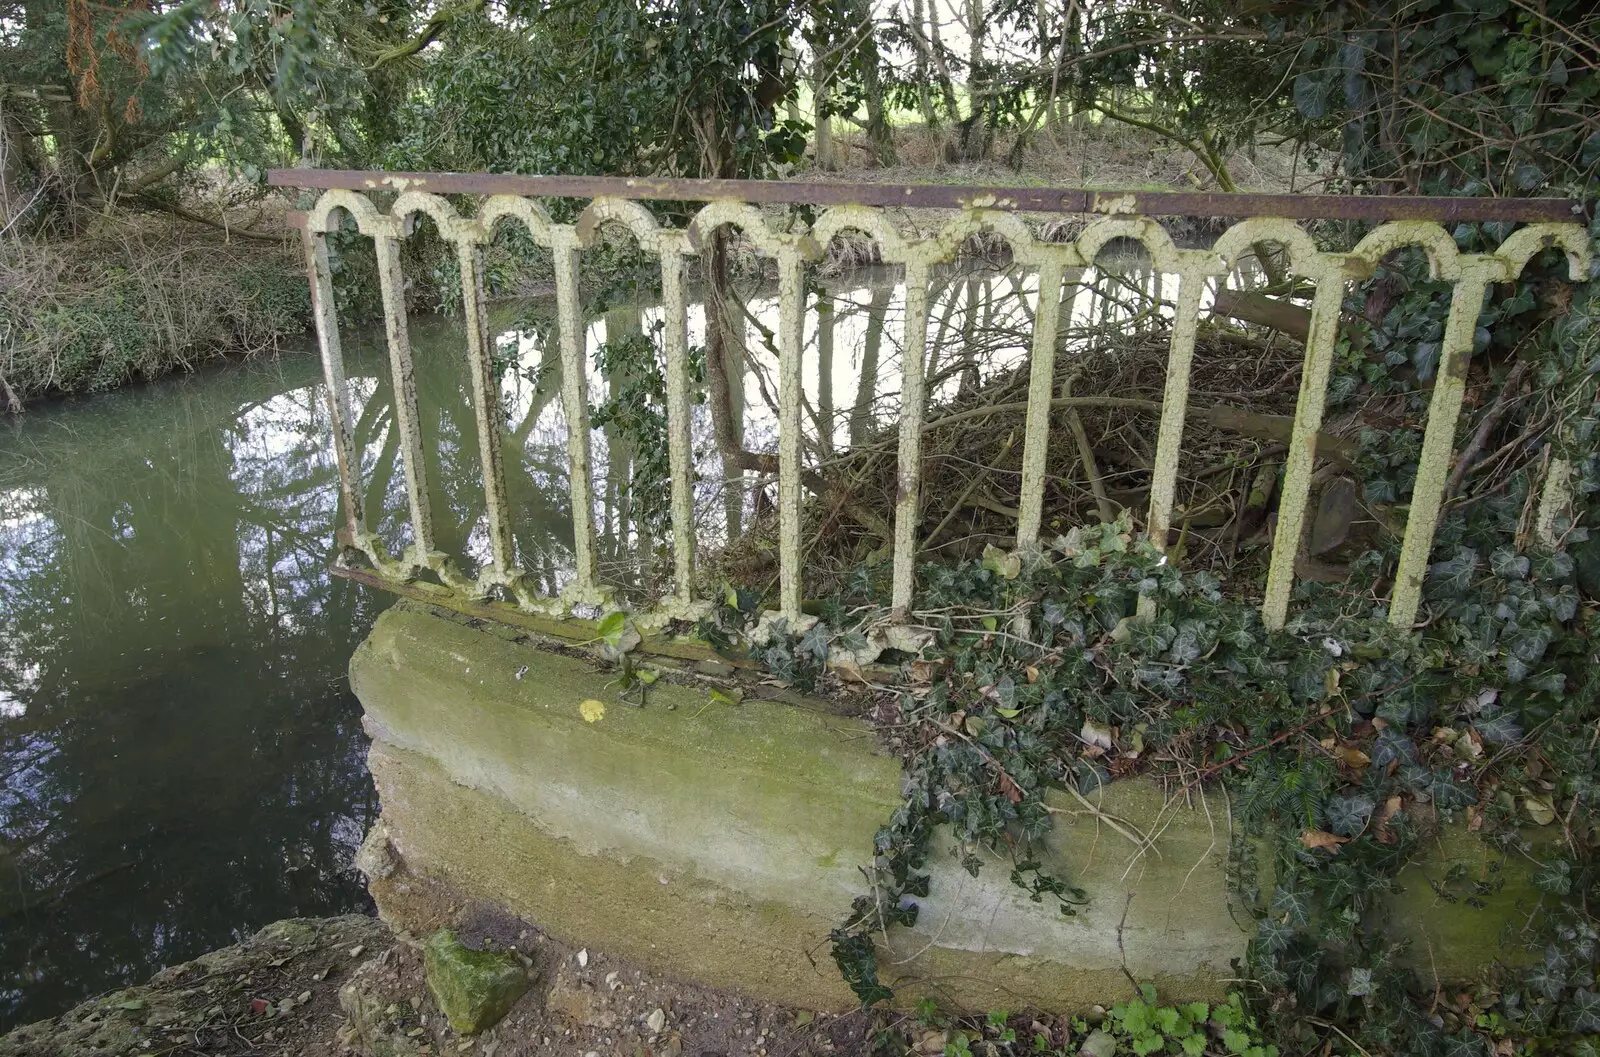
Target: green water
(181, 759)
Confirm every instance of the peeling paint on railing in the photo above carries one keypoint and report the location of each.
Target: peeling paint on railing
(1411, 222)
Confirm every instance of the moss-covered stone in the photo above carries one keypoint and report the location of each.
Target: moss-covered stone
(474, 989)
(722, 842)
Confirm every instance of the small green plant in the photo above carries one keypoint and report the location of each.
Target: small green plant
(1194, 1028)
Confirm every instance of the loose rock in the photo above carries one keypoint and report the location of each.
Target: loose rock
(474, 989)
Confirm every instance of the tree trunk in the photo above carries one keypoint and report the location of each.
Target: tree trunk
(725, 366)
(1252, 307)
(924, 63)
(867, 386)
(879, 134)
(823, 144)
(976, 130)
(947, 86)
(791, 76)
(17, 172)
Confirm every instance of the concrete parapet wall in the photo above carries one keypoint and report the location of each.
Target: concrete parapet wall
(721, 843)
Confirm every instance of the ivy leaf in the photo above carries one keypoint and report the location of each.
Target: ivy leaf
(1554, 876)
(1292, 903)
(1189, 643)
(1591, 150)
(815, 643)
(857, 960)
(613, 629)
(1391, 746)
(1508, 564)
(1498, 726)
(1004, 564)
(1348, 815)
(1585, 1011)
(1454, 575)
(1311, 96)
(1465, 1044)
(1545, 980)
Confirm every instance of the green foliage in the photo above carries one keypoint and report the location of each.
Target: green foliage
(1140, 1026)
(106, 313)
(635, 408)
(1342, 739)
(603, 87)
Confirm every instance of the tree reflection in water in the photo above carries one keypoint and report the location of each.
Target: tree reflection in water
(181, 760)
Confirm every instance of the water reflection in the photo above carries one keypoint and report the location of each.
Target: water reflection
(181, 759)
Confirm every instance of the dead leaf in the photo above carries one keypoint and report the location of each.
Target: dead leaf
(1033, 674)
(1096, 735)
(1539, 809)
(1381, 828)
(1010, 788)
(848, 671)
(1352, 757)
(1317, 838)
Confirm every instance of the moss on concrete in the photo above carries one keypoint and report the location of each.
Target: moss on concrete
(750, 796)
(1159, 914)
(1464, 905)
(636, 908)
(721, 842)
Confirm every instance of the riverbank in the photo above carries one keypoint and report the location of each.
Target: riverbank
(347, 985)
(138, 299)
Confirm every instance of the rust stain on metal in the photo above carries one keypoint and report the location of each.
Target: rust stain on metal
(935, 196)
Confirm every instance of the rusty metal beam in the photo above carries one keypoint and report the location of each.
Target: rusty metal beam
(928, 196)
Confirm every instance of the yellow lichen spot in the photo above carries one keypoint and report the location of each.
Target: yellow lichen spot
(592, 711)
(1120, 205)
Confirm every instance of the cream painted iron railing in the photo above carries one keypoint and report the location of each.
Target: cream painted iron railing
(1261, 219)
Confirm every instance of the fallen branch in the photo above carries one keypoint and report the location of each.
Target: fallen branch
(1480, 436)
(1258, 308)
(1277, 428)
(181, 213)
(1091, 470)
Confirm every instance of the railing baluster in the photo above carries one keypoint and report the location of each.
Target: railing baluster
(913, 397)
(575, 403)
(1433, 464)
(404, 376)
(1041, 382)
(486, 404)
(1175, 397)
(1122, 220)
(791, 318)
(1309, 408)
(676, 309)
(326, 319)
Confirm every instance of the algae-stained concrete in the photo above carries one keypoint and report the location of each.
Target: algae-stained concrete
(722, 842)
